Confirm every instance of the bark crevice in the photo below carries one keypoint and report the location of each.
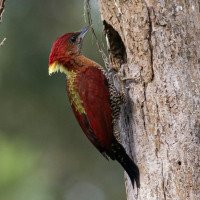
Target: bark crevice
(150, 12)
(163, 184)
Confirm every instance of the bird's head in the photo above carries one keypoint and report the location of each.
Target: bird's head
(64, 48)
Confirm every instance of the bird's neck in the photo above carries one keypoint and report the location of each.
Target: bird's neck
(78, 63)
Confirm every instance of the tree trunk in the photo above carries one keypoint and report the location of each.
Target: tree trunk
(157, 44)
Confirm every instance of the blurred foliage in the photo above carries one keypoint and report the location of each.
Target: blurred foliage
(43, 153)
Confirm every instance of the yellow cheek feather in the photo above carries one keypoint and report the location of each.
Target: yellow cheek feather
(71, 76)
(57, 67)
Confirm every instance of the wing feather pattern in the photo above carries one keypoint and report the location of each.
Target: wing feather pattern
(94, 93)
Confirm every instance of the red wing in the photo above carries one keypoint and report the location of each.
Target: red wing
(94, 93)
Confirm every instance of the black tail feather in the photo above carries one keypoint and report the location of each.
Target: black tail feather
(127, 163)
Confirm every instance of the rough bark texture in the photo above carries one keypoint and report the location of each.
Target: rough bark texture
(160, 42)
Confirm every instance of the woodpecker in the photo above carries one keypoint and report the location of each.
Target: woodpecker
(93, 98)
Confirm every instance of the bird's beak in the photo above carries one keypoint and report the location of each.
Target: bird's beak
(83, 31)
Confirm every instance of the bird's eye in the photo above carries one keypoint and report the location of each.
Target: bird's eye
(73, 38)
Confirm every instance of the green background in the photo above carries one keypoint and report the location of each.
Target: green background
(44, 155)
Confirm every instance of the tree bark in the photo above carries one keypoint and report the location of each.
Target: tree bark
(157, 45)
